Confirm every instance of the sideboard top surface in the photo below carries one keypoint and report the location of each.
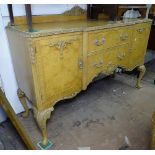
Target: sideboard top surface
(50, 28)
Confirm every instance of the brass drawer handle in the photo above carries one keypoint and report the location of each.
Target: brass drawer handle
(100, 42)
(100, 64)
(124, 37)
(121, 56)
(140, 30)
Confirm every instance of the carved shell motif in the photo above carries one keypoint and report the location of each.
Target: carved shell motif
(61, 45)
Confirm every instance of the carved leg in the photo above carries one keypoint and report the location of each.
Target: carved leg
(22, 99)
(142, 70)
(41, 118)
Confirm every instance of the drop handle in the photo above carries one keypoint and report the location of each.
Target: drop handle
(98, 65)
(121, 56)
(100, 42)
(124, 37)
(140, 30)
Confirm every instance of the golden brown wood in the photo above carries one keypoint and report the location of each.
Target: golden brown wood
(142, 70)
(15, 121)
(62, 58)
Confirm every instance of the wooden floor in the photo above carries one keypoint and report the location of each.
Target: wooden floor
(102, 116)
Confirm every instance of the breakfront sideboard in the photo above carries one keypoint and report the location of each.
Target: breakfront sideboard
(64, 53)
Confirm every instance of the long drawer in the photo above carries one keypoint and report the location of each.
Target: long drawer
(103, 39)
(102, 61)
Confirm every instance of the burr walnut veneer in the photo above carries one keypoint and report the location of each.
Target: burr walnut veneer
(59, 59)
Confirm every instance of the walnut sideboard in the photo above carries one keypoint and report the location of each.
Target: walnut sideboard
(60, 59)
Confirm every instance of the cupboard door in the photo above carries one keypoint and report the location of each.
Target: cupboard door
(57, 67)
(71, 69)
(48, 72)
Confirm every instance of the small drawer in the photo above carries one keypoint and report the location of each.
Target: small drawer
(125, 34)
(123, 54)
(103, 39)
(95, 60)
(95, 64)
(140, 30)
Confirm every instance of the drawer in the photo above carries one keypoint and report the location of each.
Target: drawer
(95, 65)
(124, 35)
(140, 30)
(123, 54)
(104, 39)
(102, 61)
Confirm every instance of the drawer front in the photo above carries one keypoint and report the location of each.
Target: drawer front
(123, 54)
(98, 40)
(124, 35)
(95, 65)
(137, 53)
(102, 61)
(140, 30)
(104, 39)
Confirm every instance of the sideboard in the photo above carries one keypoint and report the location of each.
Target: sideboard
(59, 59)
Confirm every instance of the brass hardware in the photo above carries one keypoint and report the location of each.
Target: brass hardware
(140, 30)
(61, 45)
(98, 65)
(130, 50)
(124, 37)
(121, 56)
(100, 42)
(81, 64)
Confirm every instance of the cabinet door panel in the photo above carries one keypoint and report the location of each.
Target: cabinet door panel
(72, 74)
(57, 65)
(48, 67)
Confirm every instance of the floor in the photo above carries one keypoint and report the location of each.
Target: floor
(110, 114)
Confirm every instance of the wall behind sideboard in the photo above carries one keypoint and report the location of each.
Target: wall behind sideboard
(7, 74)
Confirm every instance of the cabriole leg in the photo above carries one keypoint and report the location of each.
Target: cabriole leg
(41, 118)
(142, 70)
(21, 96)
